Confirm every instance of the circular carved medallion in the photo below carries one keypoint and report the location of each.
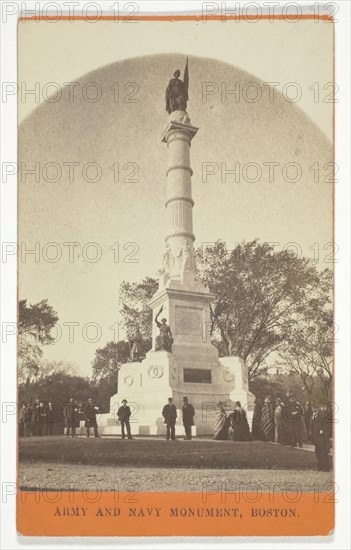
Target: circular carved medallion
(155, 371)
(228, 376)
(128, 380)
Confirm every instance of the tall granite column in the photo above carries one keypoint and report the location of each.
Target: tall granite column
(179, 203)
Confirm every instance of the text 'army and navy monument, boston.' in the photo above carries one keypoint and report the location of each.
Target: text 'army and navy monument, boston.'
(182, 361)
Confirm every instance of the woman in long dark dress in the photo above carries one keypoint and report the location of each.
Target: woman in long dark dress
(239, 424)
(221, 426)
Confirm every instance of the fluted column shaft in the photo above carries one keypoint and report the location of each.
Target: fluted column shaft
(179, 202)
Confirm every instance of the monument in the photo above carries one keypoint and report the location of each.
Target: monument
(182, 361)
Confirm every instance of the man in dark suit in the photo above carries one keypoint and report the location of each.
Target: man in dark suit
(293, 415)
(123, 414)
(70, 412)
(51, 416)
(169, 413)
(321, 433)
(188, 417)
(90, 412)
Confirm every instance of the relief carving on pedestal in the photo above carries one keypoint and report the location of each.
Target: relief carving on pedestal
(189, 321)
(128, 380)
(168, 261)
(155, 371)
(228, 375)
(187, 259)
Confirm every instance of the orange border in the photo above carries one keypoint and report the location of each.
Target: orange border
(35, 516)
(314, 512)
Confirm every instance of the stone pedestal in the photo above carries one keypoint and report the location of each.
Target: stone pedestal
(189, 371)
(192, 370)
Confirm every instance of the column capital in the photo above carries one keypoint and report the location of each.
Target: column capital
(174, 126)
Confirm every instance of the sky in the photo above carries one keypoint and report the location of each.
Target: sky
(117, 139)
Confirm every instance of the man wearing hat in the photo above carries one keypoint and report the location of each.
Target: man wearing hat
(169, 413)
(90, 412)
(321, 433)
(70, 413)
(124, 414)
(188, 417)
(293, 415)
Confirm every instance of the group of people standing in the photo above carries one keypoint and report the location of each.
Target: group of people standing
(73, 411)
(169, 413)
(283, 422)
(41, 419)
(286, 423)
(37, 418)
(235, 423)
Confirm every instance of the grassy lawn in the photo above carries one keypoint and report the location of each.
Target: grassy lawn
(160, 453)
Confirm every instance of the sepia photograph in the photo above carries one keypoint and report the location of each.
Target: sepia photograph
(176, 264)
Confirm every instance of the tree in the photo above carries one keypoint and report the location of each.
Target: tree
(106, 364)
(258, 293)
(278, 385)
(136, 313)
(308, 343)
(261, 387)
(102, 390)
(35, 323)
(57, 382)
(108, 359)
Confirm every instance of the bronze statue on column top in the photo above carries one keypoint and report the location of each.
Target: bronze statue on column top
(177, 91)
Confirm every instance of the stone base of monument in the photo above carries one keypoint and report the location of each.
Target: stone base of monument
(197, 374)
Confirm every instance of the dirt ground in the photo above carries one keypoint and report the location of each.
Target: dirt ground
(109, 478)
